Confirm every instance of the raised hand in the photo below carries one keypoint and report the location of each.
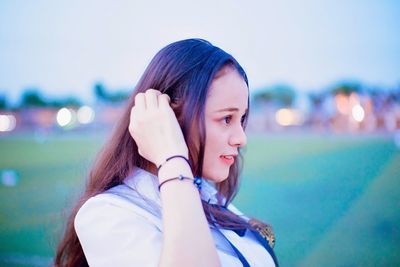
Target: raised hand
(155, 129)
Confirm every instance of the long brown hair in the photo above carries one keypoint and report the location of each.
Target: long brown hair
(184, 70)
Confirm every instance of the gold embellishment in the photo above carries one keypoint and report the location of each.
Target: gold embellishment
(264, 230)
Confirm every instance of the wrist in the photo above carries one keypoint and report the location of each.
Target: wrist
(163, 158)
(197, 181)
(173, 168)
(172, 158)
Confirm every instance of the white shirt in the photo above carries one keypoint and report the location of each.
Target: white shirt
(120, 228)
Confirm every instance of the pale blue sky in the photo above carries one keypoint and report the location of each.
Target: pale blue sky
(63, 47)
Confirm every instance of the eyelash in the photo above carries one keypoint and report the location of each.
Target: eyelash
(227, 117)
(230, 118)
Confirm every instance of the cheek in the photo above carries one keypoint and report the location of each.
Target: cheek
(213, 169)
(214, 138)
(211, 150)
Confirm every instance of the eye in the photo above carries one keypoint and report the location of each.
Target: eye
(227, 119)
(243, 119)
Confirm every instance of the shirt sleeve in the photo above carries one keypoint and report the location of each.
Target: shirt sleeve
(112, 235)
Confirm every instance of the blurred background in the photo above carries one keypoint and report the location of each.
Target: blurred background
(322, 163)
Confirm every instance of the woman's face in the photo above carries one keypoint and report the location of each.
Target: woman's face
(226, 106)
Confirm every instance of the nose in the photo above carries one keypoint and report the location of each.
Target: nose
(238, 137)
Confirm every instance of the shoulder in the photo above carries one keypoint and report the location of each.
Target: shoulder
(108, 224)
(116, 221)
(134, 198)
(99, 204)
(105, 211)
(118, 204)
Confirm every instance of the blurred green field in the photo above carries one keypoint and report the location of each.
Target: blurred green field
(333, 201)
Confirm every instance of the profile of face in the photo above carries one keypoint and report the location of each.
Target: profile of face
(225, 108)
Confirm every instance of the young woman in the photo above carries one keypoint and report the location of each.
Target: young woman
(160, 191)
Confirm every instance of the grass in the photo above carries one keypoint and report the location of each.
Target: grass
(332, 201)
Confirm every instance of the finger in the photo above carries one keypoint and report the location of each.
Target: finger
(154, 91)
(151, 98)
(164, 101)
(133, 122)
(140, 101)
(133, 114)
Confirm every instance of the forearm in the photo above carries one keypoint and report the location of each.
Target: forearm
(187, 239)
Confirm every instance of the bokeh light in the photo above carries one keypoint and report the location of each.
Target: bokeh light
(85, 115)
(9, 177)
(287, 117)
(64, 117)
(358, 113)
(7, 123)
(342, 104)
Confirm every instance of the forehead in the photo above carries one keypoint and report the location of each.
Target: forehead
(228, 89)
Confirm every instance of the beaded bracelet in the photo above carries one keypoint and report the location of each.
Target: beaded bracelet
(196, 181)
(172, 157)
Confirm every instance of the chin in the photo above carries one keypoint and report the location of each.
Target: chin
(217, 177)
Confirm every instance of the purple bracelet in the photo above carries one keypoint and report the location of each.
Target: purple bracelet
(196, 181)
(172, 157)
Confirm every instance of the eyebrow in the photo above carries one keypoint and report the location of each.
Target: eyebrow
(230, 109)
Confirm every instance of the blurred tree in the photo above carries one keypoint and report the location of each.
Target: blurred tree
(395, 94)
(100, 91)
(346, 88)
(102, 95)
(118, 96)
(66, 102)
(264, 95)
(280, 95)
(3, 102)
(72, 102)
(317, 100)
(32, 98)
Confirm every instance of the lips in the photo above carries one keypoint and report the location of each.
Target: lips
(228, 159)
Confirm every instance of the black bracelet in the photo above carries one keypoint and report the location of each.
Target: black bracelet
(196, 181)
(172, 157)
